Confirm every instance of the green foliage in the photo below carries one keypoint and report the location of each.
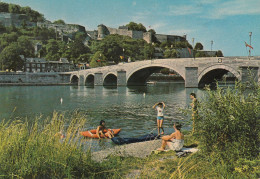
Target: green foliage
(52, 49)
(171, 53)
(27, 47)
(59, 22)
(34, 16)
(198, 46)
(219, 53)
(136, 27)
(10, 58)
(2, 28)
(36, 150)
(4, 7)
(175, 45)
(6, 39)
(98, 60)
(229, 123)
(200, 54)
(152, 31)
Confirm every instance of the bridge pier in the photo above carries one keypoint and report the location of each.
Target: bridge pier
(121, 78)
(98, 79)
(191, 77)
(249, 73)
(81, 80)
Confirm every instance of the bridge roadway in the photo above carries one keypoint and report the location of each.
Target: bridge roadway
(195, 72)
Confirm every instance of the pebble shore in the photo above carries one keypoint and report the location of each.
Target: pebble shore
(140, 149)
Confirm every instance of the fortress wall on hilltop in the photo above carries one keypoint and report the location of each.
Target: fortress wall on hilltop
(9, 19)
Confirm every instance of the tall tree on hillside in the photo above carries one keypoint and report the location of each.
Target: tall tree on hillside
(136, 27)
(13, 8)
(6, 39)
(4, 7)
(98, 60)
(10, 58)
(52, 50)
(26, 45)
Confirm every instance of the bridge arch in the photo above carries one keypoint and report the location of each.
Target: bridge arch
(74, 79)
(216, 71)
(89, 80)
(110, 79)
(139, 75)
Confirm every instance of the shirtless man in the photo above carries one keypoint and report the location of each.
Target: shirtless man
(100, 131)
(175, 141)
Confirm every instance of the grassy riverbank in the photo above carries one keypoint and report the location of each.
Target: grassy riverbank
(227, 134)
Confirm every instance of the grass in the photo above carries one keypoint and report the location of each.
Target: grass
(35, 150)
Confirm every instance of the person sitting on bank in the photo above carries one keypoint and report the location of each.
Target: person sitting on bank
(102, 131)
(175, 141)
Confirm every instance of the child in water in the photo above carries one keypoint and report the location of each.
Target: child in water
(159, 107)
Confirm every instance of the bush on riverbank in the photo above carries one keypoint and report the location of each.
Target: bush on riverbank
(228, 126)
(34, 151)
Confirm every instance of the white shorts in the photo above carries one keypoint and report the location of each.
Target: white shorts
(176, 144)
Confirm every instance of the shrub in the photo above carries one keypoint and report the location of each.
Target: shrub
(229, 122)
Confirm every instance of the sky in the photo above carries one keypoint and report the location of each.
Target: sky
(225, 22)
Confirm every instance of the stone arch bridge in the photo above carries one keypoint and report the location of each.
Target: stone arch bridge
(195, 72)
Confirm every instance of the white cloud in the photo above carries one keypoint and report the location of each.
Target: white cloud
(134, 3)
(235, 7)
(184, 10)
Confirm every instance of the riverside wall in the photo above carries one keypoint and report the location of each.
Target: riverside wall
(34, 78)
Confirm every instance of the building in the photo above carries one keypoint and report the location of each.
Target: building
(103, 31)
(41, 65)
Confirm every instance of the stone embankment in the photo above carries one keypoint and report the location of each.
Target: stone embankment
(140, 149)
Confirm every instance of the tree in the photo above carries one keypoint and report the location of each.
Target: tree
(98, 60)
(2, 28)
(171, 53)
(10, 58)
(4, 7)
(136, 27)
(219, 53)
(200, 54)
(26, 45)
(152, 31)
(6, 39)
(198, 46)
(52, 49)
(59, 22)
(13, 8)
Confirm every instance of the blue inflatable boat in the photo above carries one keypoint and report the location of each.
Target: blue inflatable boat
(148, 137)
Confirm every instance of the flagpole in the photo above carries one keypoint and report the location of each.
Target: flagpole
(250, 34)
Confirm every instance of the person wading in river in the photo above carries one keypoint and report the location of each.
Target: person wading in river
(194, 108)
(159, 107)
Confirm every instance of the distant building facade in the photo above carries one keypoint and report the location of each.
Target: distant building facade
(41, 65)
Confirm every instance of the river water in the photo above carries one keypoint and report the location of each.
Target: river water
(128, 108)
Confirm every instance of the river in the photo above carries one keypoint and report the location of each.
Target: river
(128, 108)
